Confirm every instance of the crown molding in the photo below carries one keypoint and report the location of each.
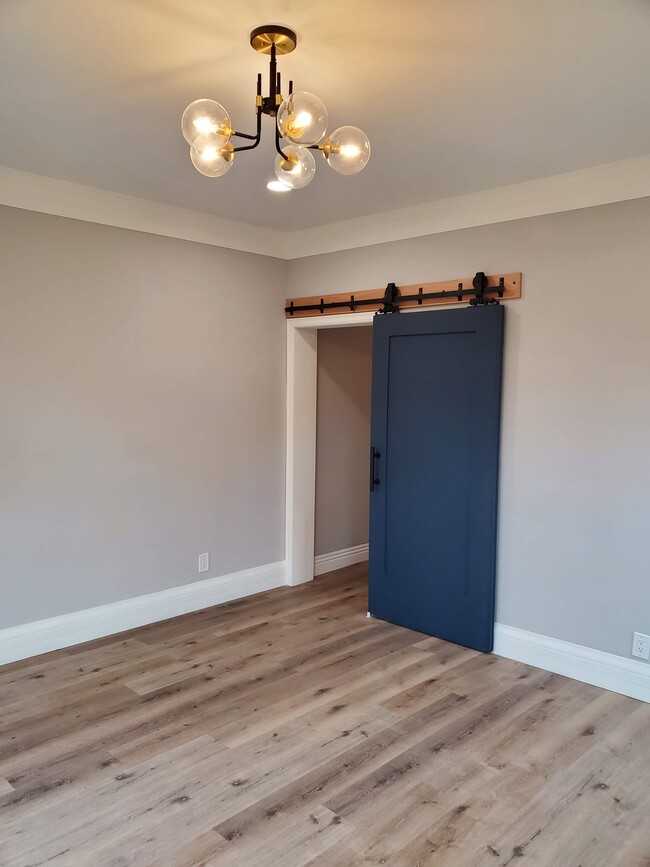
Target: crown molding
(65, 199)
(601, 185)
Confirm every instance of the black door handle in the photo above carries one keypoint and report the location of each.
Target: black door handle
(374, 456)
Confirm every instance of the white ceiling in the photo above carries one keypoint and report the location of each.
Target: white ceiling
(457, 96)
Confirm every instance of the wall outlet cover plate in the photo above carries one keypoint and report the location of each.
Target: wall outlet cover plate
(641, 645)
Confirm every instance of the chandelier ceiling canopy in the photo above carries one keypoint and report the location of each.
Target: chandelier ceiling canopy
(300, 122)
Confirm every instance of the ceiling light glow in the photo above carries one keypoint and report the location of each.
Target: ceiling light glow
(278, 187)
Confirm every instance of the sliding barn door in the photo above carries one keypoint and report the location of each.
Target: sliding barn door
(436, 409)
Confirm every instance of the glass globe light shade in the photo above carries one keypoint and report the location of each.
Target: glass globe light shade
(298, 169)
(211, 161)
(205, 117)
(347, 150)
(302, 118)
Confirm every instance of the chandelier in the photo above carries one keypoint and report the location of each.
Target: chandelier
(300, 126)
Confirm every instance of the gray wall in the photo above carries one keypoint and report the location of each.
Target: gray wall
(142, 411)
(142, 393)
(342, 438)
(574, 537)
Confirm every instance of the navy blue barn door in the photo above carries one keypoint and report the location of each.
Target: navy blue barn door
(436, 411)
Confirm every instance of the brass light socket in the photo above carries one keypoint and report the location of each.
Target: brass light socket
(288, 164)
(328, 148)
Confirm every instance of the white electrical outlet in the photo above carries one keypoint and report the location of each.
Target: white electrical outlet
(641, 645)
(204, 562)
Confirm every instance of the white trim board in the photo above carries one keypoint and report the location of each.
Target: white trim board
(65, 199)
(616, 673)
(586, 188)
(300, 466)
(338, 559)
(42, 636)
(600, 185)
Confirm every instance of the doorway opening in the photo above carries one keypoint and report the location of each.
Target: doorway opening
(302, 389)
(344, 373)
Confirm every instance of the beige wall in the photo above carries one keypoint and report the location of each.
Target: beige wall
(342, 438)
(574, 543)
(142, 392)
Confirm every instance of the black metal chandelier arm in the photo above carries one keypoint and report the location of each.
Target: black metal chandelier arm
(250, 147)
(277, 143)
(254, 138)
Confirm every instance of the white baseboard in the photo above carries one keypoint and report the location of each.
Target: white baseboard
(31, 639)
(616, 673)
(338, 559)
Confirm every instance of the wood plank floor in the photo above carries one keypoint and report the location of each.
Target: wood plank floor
(288, 729)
